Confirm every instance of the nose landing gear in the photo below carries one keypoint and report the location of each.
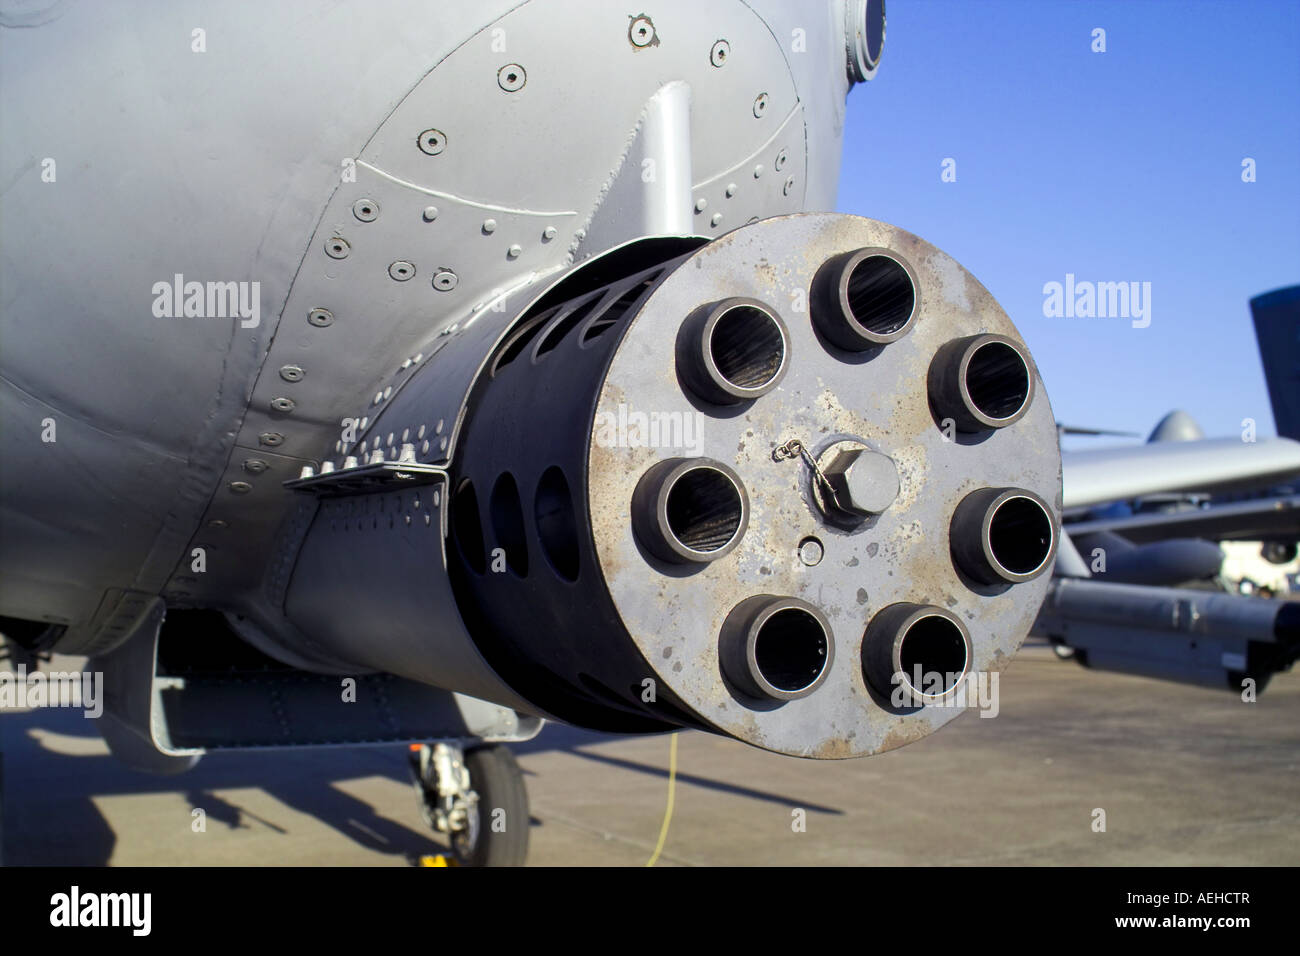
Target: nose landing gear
(477, 797)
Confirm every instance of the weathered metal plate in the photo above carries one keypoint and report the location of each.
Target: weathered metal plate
(901, 555)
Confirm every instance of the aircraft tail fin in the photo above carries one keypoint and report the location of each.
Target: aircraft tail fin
(1277, 330)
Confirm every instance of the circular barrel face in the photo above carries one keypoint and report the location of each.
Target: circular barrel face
(799, 683)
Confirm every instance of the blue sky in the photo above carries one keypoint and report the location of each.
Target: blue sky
(1115, 166)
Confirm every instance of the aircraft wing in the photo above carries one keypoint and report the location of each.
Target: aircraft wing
(1266, 519)
(1221, 464)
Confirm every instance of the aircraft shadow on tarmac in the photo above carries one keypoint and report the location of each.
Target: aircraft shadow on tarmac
(54, 769)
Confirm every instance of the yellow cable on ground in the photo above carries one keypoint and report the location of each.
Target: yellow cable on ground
(668, 812)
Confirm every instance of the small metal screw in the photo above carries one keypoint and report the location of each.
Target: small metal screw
(430, 213)
(717, 218)
(760, 104)
(320, 317)
(271, 439)
(718, 55)
(511, 77)
(255, 466)
(789, 185)
(514, 252)
(811, 551)
(641, 31)
(731, 190)
(291, 373)
(780, 160)
(283, 404)
(758, 170)
(489, 226)
(701, 204)
(401, 270)
(217, 523)
(240, 487)
(337, 248)
(367, 210)
(444, 280)
(549, 233)
(432, 142)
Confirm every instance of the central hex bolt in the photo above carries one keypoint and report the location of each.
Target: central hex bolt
(865, 482)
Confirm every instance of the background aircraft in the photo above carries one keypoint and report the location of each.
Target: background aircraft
(1143, 586)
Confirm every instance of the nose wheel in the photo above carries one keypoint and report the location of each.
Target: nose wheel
(477, 797)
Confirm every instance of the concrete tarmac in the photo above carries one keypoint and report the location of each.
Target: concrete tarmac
(1185, 776)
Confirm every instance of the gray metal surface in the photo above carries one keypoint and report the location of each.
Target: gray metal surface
(245, 712)
(162, 721)
(307, 175)
(901, 555)
(148, 408)
(370, 586)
